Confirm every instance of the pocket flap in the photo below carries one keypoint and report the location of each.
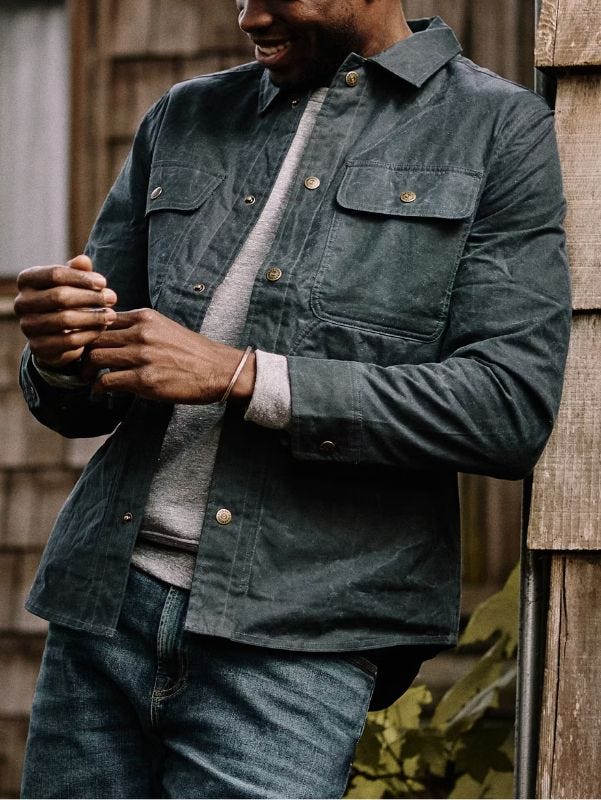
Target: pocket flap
(179, 187)
(409, 191)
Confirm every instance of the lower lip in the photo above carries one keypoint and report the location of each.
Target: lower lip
(273, 60)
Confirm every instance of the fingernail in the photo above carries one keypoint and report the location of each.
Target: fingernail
(109, 297)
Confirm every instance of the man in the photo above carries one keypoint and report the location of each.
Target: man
(323, 283)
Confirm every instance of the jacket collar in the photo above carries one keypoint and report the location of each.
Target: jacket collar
(415, 59)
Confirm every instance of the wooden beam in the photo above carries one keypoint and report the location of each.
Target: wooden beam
(578, 116)
(567, 481)
(570, 742)
(568, 34)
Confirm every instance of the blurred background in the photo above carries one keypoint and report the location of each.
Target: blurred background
(75, 80)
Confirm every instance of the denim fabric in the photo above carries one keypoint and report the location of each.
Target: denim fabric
(424, 311)
(158, 712)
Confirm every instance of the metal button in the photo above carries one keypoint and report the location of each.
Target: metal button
(408, 197)
(295, 101)
(273, 274)
(327, 447)
(351, 79)
(156, 193)
(223, 516)
(250, 199)
(127, 517)
(199, 288)
(312, 182)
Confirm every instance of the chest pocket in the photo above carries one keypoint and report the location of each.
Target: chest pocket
(393, 248)
(177, 229)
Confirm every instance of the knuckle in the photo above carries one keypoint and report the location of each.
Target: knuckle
(24, 277)
(146, 315)
(56, 274)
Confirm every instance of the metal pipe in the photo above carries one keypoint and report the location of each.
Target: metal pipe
(533, 627)
(534, 602)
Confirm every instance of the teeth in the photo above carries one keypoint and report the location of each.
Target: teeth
(271, 51)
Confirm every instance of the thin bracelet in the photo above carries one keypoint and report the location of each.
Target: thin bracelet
(236, 375)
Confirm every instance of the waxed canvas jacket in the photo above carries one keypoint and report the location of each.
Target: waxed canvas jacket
(423, 306)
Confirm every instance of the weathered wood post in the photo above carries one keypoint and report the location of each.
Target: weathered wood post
(565, 518)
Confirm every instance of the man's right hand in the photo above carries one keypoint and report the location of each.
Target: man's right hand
(62, 309)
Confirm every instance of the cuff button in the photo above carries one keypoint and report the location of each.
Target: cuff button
(327, 447)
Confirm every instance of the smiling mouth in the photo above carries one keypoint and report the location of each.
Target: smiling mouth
(269, 54)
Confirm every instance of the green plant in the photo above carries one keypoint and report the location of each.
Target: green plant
(456, 749)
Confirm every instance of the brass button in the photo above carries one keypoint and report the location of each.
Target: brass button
(223, 516)
(408, 197)
(273, 274)
(295, 101)
(327, 447)
(199, 288)
(312, 182)
(250, 199)
(351, 79)
(127, 517)
(156, 193)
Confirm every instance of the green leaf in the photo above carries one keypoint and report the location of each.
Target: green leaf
(406, 712)
(466, 787)
(484, 673)
(498, 785)
(429, 746)
(481, 751)
(478, 705)
(362, 787)
(498, 614)
(369, 749)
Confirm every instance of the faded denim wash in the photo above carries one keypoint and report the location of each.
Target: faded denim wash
(423, 306)
(158, 712)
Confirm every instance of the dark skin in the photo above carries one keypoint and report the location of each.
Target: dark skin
(66, 311)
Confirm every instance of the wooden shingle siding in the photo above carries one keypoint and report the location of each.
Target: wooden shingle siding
(565, 514)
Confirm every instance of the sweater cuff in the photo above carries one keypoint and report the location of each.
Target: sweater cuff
(270, 404)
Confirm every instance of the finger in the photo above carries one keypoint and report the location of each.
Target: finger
(81, 262)
(59, 275)
(127, 319)
(34, 325)
(58, 298)
(119, 381)
(110, 358)
(50, 347)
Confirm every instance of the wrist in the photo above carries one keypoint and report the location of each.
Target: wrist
(244, 386)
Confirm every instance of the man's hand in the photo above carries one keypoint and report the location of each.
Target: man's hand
(62, 309)
(150, 355)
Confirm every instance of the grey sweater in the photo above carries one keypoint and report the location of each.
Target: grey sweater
(177, 500)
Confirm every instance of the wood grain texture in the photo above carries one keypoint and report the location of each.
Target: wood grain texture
(545, 33)
(570, 745)
(566, 492)
(493, 34)
(174, 27)
(578, 118)
(569, 34)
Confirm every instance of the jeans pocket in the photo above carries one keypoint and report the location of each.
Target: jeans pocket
(363, 663)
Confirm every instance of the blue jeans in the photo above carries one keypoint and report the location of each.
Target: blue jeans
(158, 712)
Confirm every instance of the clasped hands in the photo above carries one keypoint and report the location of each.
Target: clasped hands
(67, 314)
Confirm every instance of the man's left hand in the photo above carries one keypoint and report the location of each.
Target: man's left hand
(150, 355)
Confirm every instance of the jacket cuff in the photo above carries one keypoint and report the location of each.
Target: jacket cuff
(59, 380)
(270, 404)
(326, 415)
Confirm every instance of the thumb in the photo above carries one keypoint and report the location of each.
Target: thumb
(83, 263)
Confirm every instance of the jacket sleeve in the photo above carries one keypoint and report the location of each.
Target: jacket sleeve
(488, 405)
(118, 249)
